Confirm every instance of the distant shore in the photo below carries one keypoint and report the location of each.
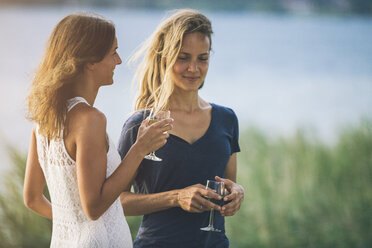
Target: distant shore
(336, 7)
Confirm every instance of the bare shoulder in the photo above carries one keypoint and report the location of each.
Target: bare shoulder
(85, 117)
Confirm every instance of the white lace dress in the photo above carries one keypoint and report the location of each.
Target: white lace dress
(71, 227)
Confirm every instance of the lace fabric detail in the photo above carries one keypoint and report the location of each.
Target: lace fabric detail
(71, 227)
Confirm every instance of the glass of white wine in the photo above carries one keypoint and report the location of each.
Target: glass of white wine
(155, 117)
(219, 188)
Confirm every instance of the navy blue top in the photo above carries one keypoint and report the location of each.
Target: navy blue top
(183, 165)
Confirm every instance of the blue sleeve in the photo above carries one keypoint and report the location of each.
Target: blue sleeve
(128, 134)
(235, 135)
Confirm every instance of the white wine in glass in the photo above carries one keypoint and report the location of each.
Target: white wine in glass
(153, 118)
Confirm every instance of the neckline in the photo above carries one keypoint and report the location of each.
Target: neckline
(72, 102)
(177, 138)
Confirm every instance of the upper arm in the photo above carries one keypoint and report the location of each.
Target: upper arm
(231, 168)
(91, 154)
(34, 177)
(128, 137)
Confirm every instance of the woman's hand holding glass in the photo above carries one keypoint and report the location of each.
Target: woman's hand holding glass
(152, 137)
(234, 199)
(194, 199)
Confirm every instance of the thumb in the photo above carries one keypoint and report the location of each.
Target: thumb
(144, 123)
(219, 179)
(227, 182)
(142, 126)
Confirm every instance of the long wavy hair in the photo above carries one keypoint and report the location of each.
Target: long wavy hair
(160, 53)
(76, 40)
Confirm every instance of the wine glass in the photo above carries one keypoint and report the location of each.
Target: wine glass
(155, 117)
(219, 188)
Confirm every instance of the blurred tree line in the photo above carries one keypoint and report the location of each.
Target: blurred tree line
(359, 7)
(299, 192)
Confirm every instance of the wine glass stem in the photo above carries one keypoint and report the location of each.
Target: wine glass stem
(211, 218)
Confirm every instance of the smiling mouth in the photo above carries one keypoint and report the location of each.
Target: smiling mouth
(192, 79)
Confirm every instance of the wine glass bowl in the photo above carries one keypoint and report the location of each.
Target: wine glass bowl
(154, 117)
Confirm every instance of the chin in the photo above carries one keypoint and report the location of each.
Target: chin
(108, 83)
(189, 89)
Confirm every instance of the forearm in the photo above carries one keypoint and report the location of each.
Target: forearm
(141, 204)
(97, 191)
(119, 180)
(41, 206)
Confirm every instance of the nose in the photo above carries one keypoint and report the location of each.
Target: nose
(193, 66)
(118, 60)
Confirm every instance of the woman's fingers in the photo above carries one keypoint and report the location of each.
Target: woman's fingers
(205, 195)
(162, 123)
(231, 196)
(207, 204)
(201, 204)
(231, 208)
(209, 193)
(194, 199)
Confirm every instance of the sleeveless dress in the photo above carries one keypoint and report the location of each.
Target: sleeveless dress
(71, 227)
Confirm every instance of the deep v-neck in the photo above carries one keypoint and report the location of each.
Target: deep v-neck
(202, 137)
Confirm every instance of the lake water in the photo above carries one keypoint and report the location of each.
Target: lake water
(278, 72)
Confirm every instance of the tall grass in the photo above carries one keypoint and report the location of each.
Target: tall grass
(19, 227)
(299, 192)
(302, 193)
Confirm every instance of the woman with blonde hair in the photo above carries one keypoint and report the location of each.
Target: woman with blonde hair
(69, 149)
(202, 145)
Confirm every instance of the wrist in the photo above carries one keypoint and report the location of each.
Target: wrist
(175, 198)
(137, 151)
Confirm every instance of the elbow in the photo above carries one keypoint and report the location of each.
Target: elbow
(92, 212)
(92, 216)
(29, 200)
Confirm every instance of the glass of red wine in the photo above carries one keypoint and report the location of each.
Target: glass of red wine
(219, 188)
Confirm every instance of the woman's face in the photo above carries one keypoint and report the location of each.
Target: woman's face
(191, 66)
(104, 70)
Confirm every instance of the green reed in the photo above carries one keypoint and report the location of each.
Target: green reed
(299, 192)
(19, 226)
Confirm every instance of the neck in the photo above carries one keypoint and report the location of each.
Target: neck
(186, 101)
(85, 88)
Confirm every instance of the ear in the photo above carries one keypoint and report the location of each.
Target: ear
(90, 66)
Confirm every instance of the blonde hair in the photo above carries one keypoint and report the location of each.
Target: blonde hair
(160, 53)
(76, 40)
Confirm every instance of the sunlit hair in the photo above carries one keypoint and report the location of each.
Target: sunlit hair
(160, 53)
(76, 40)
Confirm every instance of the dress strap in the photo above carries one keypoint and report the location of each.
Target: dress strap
(74, 101)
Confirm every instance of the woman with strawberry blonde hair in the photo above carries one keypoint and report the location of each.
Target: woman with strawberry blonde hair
(69, 149)
(203, 143)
